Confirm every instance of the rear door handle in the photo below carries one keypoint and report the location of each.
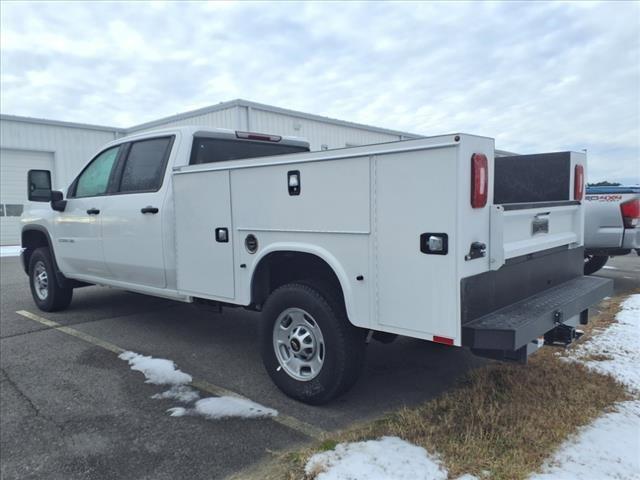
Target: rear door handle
(149, 209)
(93, 211)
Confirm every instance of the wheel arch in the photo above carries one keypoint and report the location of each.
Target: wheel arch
(33, 237)
(37, 236)
(282, 263)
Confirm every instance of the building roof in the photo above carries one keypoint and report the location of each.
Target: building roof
(212, 108)
(270, 108)
(60, 123)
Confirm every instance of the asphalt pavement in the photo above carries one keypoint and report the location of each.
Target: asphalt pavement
(69, 408)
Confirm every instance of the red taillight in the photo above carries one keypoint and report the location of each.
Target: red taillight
(445, 340)
(631, 213)
(258, 136)
(479, 180)
(578, 182)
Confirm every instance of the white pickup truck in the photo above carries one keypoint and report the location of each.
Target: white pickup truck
(429, 238)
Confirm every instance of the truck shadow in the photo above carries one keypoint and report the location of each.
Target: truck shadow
(224, 349)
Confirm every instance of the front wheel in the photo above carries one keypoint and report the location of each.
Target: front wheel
(46, 293)
(593, 263)
(309, 348)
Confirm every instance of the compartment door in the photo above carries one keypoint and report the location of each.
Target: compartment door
(204, 260)
(415, 292)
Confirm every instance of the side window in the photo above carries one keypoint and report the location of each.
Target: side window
(145, 165)
(95, 178)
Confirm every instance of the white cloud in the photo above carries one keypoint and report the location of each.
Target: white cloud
(535, 76)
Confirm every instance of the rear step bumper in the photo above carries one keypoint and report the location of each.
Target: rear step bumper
(513, 327)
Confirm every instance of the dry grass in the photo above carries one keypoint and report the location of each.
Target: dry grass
(595, 357)
(502, 418)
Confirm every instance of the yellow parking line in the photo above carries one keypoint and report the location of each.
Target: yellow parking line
(72, 331)
(285, 420)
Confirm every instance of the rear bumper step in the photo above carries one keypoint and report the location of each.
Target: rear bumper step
(514, 326)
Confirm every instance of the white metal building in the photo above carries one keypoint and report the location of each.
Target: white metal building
(63, 147)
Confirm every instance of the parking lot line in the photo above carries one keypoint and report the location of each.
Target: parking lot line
(202, 385)
(72, 331)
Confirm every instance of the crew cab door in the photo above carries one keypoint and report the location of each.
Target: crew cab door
(78, 241)
(134, 214)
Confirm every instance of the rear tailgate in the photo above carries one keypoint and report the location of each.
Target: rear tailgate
(535, 205)
(535, 252)
(518, 230)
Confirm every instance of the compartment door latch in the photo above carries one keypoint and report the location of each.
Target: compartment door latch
(477, 250)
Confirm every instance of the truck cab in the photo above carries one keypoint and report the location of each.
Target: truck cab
(115, 221)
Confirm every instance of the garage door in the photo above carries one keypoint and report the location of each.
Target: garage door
(14, 165)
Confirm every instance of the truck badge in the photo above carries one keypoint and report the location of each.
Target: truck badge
(540, 224)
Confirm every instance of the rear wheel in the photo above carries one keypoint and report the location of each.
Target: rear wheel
(309, 348)
(593, 263)
(46, 292)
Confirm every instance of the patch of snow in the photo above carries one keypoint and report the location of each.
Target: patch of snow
(177, 412)
(223, 407)
(10, 251)
(607, 267)
(609, 448)
(181, 393)
(620, 342)
(158, 371)
(388, 458)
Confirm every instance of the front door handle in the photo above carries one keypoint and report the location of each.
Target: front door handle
(149, 209)
(93, 211)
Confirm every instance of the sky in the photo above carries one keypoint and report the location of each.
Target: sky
(535, 76)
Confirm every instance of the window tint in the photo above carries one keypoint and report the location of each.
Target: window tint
(209, 150)
(144, 168)
(95, 178)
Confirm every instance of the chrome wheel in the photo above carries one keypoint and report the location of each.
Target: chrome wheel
(299, 344)
(41, 280)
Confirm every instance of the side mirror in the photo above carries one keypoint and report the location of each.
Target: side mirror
(39, 185)
(58, 203)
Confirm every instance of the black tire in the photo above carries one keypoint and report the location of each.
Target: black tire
(593, 263)
(343, 344)
(56, 297)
